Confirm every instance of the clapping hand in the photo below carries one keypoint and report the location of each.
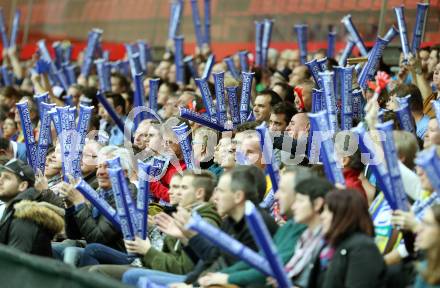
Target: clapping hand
(168, 225)
(70, 194)
(182, 217)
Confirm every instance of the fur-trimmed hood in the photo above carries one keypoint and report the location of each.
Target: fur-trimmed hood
(41, 213)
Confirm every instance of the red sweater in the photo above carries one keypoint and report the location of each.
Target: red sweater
(352, 181)
(159, 189)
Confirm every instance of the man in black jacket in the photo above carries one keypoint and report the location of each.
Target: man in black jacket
(83, 220)
(26, 224)
(232, 191)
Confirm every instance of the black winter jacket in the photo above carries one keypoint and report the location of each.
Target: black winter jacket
(29, 225)
(82, 223)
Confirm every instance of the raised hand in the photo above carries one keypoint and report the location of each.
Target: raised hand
(382, 80)
(41, 182)
(181, 218)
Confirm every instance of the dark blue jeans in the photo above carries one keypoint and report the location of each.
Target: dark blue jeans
(132, 276)
(68, 251)
(95, 254)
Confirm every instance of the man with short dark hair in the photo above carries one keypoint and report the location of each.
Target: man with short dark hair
(264, 103)
(26, 224)
(119, 83)
(294, 142)
(280, 116)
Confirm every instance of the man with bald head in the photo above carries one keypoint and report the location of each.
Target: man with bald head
(295, 139)
(299, 126)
